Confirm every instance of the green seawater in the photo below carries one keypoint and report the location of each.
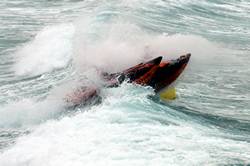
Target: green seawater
(49, 47)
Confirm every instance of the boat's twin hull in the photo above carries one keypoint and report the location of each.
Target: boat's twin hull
(155, 73)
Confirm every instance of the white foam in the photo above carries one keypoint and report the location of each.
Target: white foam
(119, 46)
(120, 132)
(31, 112)
(122, 45)
(28, 112)
(50, 49)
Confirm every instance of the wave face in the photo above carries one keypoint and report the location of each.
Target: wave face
(48, 48)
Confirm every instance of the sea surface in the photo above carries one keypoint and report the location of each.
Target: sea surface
(50, 47)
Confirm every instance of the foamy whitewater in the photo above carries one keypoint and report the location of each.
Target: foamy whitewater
(48, 48)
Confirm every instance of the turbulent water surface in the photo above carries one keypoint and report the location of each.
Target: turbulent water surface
(49, 47)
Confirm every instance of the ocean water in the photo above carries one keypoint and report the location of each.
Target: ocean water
(47, 48)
